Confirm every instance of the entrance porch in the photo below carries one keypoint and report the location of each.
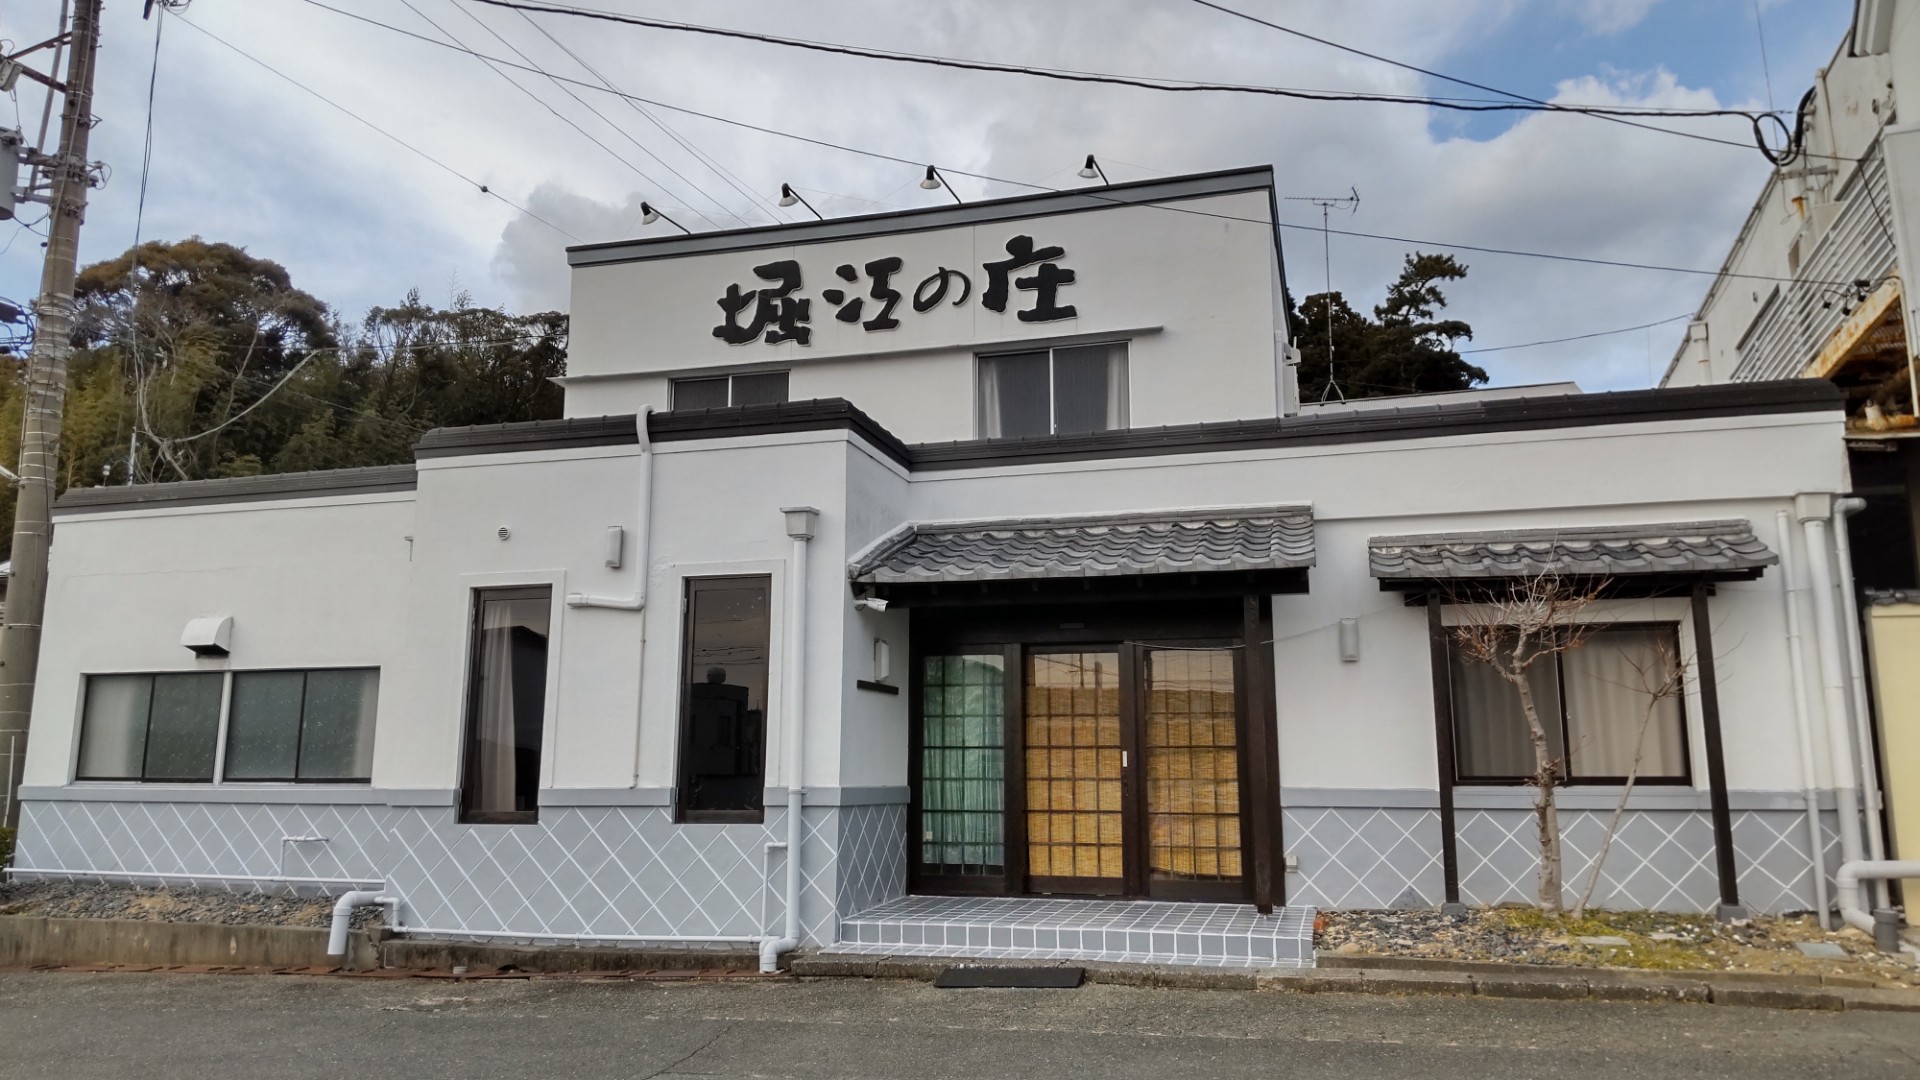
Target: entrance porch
(1109, 931)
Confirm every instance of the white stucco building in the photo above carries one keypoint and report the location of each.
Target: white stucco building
(989, 538)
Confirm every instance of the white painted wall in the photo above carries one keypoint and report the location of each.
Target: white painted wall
(1200, 268)
(309, 584)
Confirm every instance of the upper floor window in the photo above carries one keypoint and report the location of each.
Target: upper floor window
(1062, 391)
(1608, 707)
(720, 391)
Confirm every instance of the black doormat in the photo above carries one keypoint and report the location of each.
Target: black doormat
(1024, 978)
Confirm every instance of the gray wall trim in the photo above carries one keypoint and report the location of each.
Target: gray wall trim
(1016, 208)
(280, 794)
(570, 433)
(1520, 798)
(371, 480)
(638, 796)
(420, 796)
(826, 795)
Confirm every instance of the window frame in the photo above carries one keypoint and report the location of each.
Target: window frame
(683, 812)
(300, 731)
(673, 386)
(1053, 387)
(469, 761)
(223, 728)
(1567, 778)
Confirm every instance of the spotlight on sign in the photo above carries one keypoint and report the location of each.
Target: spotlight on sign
(1092, 170)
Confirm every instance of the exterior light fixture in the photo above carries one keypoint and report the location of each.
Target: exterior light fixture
(790, 197)
(1092, 169)
(648, 215)
(934, 182)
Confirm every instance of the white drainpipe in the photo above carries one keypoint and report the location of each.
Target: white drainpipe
(1857, 683)
(1814, 511)
(638, 601)
(1803, 723)
(1877, 870)
(343, 915)
(800, 524)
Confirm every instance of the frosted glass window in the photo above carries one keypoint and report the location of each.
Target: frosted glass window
(336, 740)
(302, 725)
(183, 723)
(963, 765)
(113, 727)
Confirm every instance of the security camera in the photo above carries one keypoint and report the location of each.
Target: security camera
(870, 603)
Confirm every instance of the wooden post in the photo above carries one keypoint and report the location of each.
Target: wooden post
(1443, 751)
(1256, 636)
(1730, 906)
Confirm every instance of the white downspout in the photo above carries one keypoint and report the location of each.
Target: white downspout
(1802, 709)
(638, 601)
(1876, 870)
(1814, 511)
(343, 916)
(1857, 683)
(800, 525)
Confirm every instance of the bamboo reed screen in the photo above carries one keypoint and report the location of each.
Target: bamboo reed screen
(1193, 765)
(1073, 765)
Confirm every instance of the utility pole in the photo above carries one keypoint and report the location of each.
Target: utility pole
(1326, 203)
(69, 175)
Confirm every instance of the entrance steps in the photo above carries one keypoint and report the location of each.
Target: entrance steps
(1112, 931)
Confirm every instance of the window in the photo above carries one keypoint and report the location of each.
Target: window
(1062, 391)
(723, 711)
(1594, 701)
(760, 388)
(150, 727)
(963, 765)
(506, 706)
(302, 725)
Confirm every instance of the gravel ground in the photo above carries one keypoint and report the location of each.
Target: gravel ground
(103, 900)
(1653, 941)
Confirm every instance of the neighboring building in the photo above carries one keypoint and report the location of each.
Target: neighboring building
(992, 538)
(1815, 286)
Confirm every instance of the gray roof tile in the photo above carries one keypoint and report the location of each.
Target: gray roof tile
(1685, 547)
(1172, 542)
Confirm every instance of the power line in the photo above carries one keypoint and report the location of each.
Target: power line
(1616, 117)
(1134, 81)
(443, 166)
(1091, 193)
(537, 99)
(1576, 337)
(713, 164)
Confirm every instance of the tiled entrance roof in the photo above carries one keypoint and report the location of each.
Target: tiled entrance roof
(1688, 547)
(1169, 542)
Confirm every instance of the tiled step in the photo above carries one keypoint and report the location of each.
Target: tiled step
(1116, 931)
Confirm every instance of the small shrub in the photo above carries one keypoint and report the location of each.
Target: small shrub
(6, 847)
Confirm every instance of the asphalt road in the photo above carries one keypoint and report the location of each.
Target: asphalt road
(174, 1027)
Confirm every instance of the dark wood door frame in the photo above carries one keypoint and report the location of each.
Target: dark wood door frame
(1012, 634)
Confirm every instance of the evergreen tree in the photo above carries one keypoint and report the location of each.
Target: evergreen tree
(1405, 348)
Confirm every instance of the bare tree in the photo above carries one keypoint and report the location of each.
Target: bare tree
(1511, 628)
(1661, 678)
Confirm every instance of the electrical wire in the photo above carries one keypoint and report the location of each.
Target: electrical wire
(1576, 337)
(1091, 193)
(713, 164)
(443, 166)
(1755, 118)
(1134, 81)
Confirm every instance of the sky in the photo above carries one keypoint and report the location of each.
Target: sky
(361, 211)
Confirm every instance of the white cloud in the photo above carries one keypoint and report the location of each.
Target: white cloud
(242, 156)
(1610, 16)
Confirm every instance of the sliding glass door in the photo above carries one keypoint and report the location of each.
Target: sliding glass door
(1054, 768)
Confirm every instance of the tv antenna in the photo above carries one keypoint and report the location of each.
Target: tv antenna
(1351, 204)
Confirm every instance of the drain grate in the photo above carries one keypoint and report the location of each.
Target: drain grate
(1022, 978)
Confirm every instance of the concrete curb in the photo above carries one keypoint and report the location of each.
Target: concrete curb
(1446, 978)
(32, 940)
(417, 955)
